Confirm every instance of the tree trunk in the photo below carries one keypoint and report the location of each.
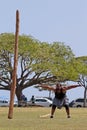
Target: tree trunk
(85, 96)
(18, 95)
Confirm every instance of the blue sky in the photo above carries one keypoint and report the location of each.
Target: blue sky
(49, 21)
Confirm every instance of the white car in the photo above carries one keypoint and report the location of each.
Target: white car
(43, 102)
(4, 103)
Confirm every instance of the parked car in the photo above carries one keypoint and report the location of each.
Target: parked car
(4, 103)
(43, 102)
(77, 103)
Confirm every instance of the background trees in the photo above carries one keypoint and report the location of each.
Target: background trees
(83, 76)
(38, 62)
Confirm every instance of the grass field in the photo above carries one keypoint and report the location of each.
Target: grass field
(29, 119)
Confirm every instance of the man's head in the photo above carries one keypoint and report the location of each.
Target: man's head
(58, 86)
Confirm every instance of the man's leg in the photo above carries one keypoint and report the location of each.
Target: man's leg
(53, 110)
(67, 111)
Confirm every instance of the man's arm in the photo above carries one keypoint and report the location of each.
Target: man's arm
(47, 87)
(72, 86)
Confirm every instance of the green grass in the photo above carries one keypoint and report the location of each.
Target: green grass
(29, 119)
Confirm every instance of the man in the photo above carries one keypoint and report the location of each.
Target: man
(32, 99)
(60, 98)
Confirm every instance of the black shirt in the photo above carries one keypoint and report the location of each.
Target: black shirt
(60, 94)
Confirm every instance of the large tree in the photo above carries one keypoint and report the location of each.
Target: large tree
(83, 76)
(38, 62)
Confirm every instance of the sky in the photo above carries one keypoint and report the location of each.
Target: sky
(48, 21)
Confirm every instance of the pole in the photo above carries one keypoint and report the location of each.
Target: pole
(13, 86)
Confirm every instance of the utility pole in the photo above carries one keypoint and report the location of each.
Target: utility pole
(14, 74)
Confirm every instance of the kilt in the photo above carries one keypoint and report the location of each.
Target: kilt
(59, 103)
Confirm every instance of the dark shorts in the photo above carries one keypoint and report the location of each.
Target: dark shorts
(59, 103)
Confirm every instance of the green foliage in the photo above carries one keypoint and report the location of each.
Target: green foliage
(7, 42)
(38, 62)
(82, 67)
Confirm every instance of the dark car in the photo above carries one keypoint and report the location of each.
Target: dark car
(77, 103)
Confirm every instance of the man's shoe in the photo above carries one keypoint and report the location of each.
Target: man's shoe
(68, 116)
(51, 116)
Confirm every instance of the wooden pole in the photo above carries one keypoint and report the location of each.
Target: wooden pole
(13, 86)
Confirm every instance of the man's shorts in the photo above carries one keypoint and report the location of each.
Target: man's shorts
(59, 103)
